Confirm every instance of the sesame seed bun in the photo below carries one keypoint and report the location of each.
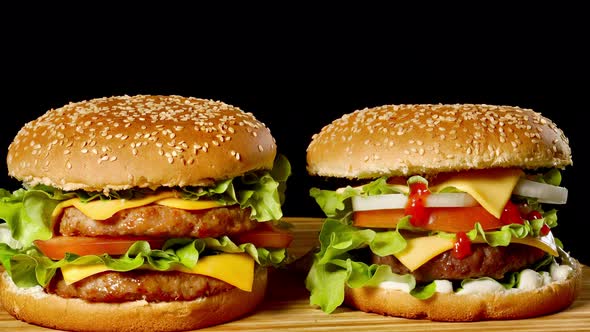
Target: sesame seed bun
(124, 142)
(37, 307)
(402, 140)
(511, 304)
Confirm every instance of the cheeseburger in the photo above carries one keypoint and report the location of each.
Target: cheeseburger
(141, 213)
(445, 213)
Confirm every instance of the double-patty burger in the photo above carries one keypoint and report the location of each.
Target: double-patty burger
(441, 212)
(141, 213)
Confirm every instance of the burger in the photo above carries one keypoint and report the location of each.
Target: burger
(441, 212)
(141, 213)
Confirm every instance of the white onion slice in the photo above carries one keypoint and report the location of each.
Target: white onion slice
(545, 193)
(399, 201)
(450, 200)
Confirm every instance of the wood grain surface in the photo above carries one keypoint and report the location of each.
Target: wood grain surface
(287, 306)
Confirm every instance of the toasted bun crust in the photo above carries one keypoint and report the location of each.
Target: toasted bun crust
(140, 141)
(402, 140)
(35, 306)
(514, 304)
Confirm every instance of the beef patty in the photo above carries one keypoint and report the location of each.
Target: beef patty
(152, 286)
(485, 261)
(159, 221)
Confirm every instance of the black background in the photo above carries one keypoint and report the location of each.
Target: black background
(295, 109)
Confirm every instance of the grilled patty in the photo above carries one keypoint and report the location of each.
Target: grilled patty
(485, 261)
(152, 286)
(159, 221)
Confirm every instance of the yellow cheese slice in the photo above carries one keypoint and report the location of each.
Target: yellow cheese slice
(188, 205)
(235, 269)
(104, 209)
(422, 249)
(491, 188)
(73, 273)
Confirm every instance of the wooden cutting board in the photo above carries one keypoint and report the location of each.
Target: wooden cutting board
(287, 306)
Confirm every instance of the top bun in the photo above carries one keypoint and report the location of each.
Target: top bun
(140, 141)
(403, 140)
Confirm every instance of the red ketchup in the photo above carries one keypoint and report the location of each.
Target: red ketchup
(462, 246)
(416, 204)
(511, 214)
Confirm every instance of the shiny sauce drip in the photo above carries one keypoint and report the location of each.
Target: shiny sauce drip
(462, 247)
(416, 204)
(511, 214)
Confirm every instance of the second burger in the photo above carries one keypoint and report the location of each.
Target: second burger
(442, 212)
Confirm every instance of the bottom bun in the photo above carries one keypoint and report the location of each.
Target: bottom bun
(34, 306)
(512, 304)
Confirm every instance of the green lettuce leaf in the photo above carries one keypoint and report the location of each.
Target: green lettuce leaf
(337, 238)
(28, 212)
(335, 204)
(424, 292)
(378, 187)
(263, 191)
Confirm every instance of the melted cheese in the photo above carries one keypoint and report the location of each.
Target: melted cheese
(491, 188)
(104, 209)
(422, 249)
(188, 205)
(235, 269)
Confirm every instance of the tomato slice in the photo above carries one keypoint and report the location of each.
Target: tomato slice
(266, 236)
(451, 219)
(57, 247)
